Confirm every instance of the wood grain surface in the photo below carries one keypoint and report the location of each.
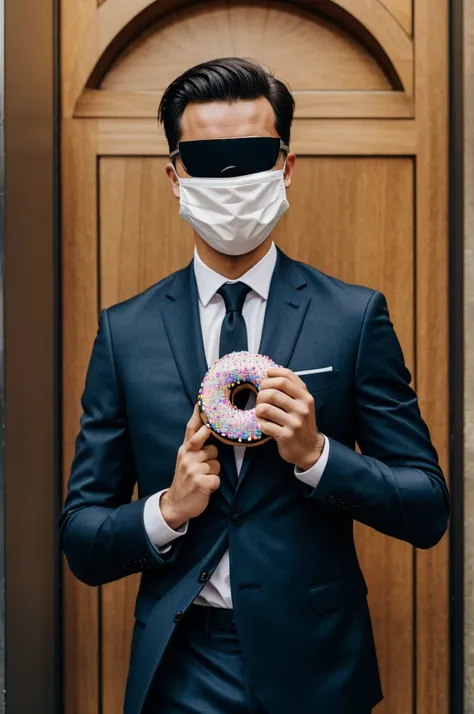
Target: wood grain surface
(116, 23)
(432, 259)
(350, 217)
(80, 306)
(402, 11)
(311, 103)
(293, 42)
(331, 137)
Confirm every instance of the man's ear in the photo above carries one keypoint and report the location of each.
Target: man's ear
(171, 173)
(290, 165)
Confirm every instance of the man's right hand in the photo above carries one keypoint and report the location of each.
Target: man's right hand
(196, 476)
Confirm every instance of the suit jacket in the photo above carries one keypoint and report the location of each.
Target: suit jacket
(298, 592)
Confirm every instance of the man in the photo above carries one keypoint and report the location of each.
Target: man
(251, 599)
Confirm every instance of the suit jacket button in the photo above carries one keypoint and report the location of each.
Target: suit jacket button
(178, 616)
(204, 577)
(332, 499)
(237, 519)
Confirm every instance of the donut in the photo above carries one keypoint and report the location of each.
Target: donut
(223, 380)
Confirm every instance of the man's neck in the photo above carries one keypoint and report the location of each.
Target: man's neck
(231, 267)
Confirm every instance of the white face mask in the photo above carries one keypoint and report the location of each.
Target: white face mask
(234, 215)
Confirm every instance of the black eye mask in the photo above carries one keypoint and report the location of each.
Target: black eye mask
(226, 158)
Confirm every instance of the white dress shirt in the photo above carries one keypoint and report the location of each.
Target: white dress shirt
(217, 592)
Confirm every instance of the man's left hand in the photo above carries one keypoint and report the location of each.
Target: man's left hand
(285, 410)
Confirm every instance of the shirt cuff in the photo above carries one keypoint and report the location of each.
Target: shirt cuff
(158, 531)
(313, 476)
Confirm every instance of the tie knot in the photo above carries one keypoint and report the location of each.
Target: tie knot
(234, 295)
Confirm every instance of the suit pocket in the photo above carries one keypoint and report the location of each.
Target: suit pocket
(334, 596)
(321, 381)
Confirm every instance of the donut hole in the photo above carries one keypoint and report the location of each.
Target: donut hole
(243, 396)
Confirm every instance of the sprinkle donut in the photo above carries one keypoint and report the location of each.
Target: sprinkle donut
(224, 379)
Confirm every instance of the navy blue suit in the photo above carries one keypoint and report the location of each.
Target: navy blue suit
(299, 595)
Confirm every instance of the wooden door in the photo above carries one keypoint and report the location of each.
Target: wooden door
(369, 205)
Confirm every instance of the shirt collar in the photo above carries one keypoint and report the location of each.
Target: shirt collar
(257, 278)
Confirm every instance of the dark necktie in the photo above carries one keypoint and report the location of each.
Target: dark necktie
(233, 331)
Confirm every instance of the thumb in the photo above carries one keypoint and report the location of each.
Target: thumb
(197, 441)
(194, 424)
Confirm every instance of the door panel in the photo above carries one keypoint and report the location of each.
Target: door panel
(329, 57)
(142, 238)
(368, 205)
(402, 11)
(350, 217)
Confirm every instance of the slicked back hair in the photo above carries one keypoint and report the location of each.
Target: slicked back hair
(225, 80)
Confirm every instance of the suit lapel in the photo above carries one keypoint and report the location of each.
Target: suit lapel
(183, 327)
(285, 313)
(286, 310)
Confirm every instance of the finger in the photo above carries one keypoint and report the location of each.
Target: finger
(197, 441)
(208, 467)
(207, 453)
(209, 483)
(278, 399)
(214, 467)
(269, 428)
(210, 452)
(268, 412)
(300, 408)
(194, 424)
(284, 372)
(282, 384)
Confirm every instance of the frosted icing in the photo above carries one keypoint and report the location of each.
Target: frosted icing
(222, 378)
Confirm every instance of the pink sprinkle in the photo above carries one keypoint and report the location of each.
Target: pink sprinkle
(215, 392)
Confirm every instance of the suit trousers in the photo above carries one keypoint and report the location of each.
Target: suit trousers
(202, 670)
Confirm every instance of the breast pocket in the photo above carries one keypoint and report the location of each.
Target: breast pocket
(321, 381)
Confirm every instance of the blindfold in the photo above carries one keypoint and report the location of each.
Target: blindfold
(226, 158)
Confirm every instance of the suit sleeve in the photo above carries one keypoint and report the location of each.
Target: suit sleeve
(102, 530)
(395, 485)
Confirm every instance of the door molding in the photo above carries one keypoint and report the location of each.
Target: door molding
(98, 123)
(116, 22)
(461, 292)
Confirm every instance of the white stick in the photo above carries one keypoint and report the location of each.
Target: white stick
(314, 371)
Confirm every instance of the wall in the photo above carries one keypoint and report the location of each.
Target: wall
(31, 420)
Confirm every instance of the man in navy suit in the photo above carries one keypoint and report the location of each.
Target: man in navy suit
(251, 599)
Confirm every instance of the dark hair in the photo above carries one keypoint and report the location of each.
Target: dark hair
(225, 80)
